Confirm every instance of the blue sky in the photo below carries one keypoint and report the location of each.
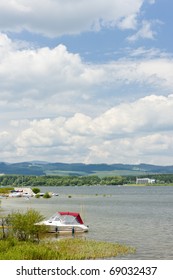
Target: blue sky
(84, 81)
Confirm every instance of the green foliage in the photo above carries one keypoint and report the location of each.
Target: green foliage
(23, 225)
(90, 180)
(36, 181)
(112, 180)
(26, 251)
(65, 249)
(5, 190)
(35, 190)
(46, 195)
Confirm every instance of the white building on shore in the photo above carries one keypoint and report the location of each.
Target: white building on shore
(145, 181)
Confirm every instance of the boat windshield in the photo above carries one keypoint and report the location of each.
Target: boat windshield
(55, 217)
(65, 219)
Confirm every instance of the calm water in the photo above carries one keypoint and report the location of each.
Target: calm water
(138, 216)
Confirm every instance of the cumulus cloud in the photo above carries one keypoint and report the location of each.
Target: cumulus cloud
(126, 131)
(43, 70)
(46, 83)
(54, 18)
(56, 106)
(144, 115)
(29, 66)
(150, 71)
(54, 76)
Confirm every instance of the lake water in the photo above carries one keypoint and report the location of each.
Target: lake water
(141, 217)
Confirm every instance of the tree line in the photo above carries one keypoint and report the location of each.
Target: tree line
(18, 180)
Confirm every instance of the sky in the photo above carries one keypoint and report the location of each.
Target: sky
(86, 81)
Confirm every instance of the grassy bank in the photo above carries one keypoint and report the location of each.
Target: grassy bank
(65, 249)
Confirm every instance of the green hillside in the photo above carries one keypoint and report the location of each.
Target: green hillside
(80, 169)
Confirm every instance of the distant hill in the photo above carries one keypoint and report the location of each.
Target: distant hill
(45, 168)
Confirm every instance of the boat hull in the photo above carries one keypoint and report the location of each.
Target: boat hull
(66, 228)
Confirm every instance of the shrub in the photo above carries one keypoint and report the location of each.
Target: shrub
(23, 225)
(36, 190)
(5, 190)
(47, 195)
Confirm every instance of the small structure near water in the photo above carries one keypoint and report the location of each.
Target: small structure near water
(145, 181)
(21, 192)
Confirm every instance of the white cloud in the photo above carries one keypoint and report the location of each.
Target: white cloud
(145, 32)
(60, 108)
(4, 135)
(33, 72)
(79, 123)
(45, 82)
(129, 22)
(6, 143)
(123, 133)
(144, 115)
(54, 18)
(149, 53)
(150, 71)
(57, 107)
(41, 72)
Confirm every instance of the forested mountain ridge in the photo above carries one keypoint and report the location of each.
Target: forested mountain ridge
(46, 168)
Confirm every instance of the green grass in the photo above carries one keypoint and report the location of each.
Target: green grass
(5, 190)
(64, 249)
(102, 174)
(150, 185)
(65, 173)
(97, 173)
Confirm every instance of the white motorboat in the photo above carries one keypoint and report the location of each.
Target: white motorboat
(65, 222)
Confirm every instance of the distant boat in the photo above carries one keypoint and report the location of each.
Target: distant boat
(55, 194)
(15, 194)
(65, 222)
(41, 194)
